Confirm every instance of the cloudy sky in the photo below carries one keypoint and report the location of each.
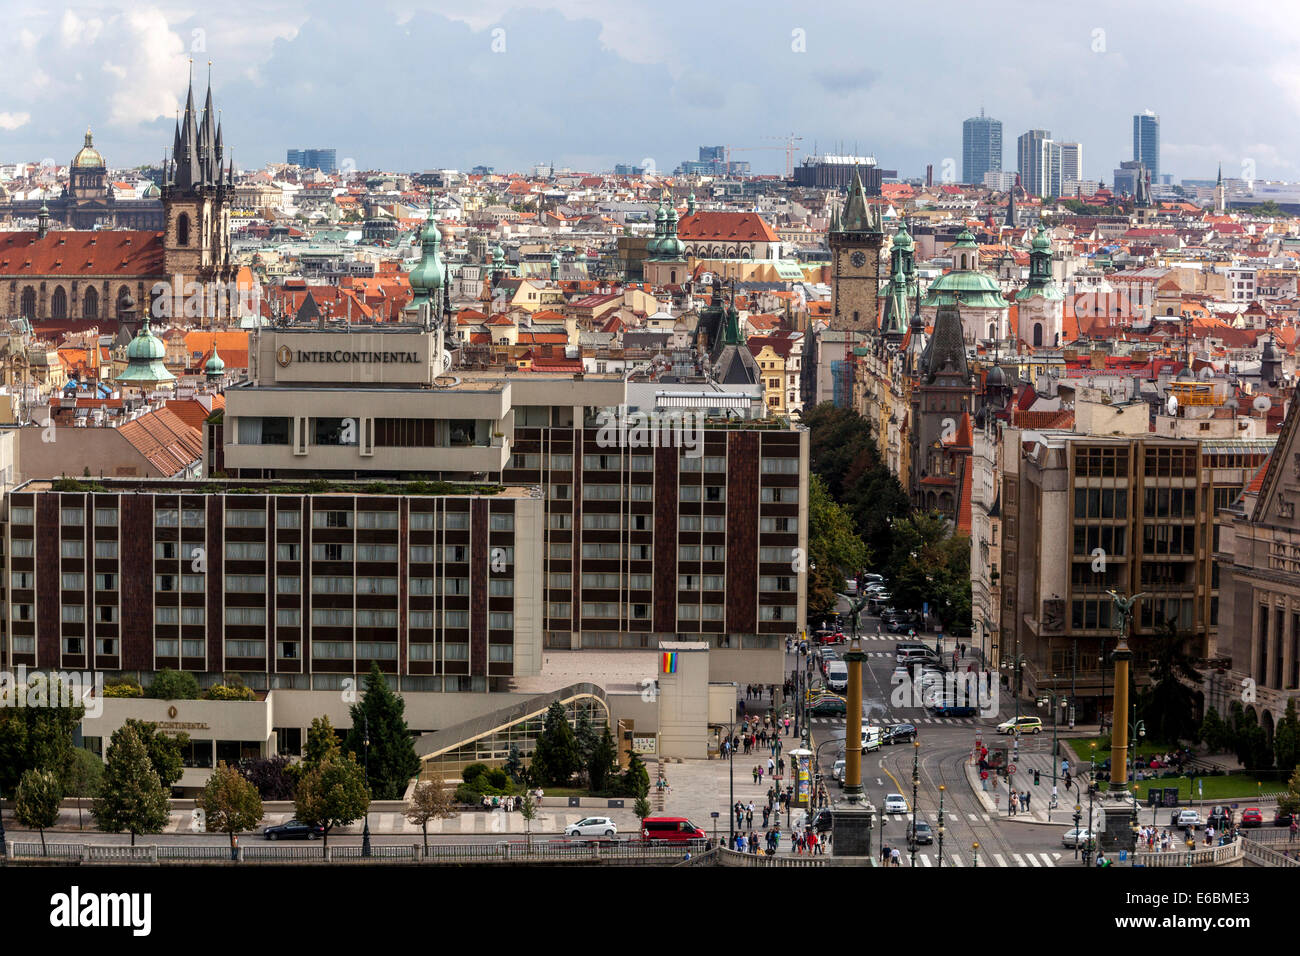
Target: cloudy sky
(588, 83)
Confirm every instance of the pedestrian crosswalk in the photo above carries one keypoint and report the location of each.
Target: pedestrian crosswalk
(930, 858)
(887, 721)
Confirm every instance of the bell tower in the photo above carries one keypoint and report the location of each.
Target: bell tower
(196, 195)
(855, 239)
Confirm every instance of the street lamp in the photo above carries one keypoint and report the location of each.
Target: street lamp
(975, 848)
(365, 832)
(916, 782)
(731, 774)
(4, 847)
(941, 789)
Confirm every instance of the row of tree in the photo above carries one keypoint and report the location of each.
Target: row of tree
(1242, 735)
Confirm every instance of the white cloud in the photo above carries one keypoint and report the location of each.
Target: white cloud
(11, 121)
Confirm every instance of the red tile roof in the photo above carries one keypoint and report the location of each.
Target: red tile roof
(741, 226)
(169, 444)
(107, 252)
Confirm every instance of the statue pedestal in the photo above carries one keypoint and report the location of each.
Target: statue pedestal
(851, 829)
(1117, 833)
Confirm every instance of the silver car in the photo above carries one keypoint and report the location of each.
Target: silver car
(592, 826)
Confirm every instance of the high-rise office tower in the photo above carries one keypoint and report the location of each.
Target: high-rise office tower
(1146, 142)
(1071, 165)
(981, 147)
(1034, 161)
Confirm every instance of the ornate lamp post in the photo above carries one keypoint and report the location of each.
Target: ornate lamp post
(941, 789)
(975, 848)
(365, 832)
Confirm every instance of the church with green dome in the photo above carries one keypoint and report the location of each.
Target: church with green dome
(145, 368)
(975, 293)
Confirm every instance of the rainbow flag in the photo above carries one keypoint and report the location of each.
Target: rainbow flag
(670, 662)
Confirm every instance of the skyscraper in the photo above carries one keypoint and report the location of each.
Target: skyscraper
(1034, 161)
(981, 147)
(1146, 142)
(1071, 165)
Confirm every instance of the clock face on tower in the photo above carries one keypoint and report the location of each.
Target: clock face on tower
(859, 259)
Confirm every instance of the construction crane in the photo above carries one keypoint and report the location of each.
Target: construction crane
(789, 149)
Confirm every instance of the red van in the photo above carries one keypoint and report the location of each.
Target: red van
(671, 830)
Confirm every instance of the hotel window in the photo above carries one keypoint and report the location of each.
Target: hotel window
(288, 585)
(688, 582)
(193, 583)
(519, 460)
(457, 586)
(245, 518)
(22, 547)
(164, 582)
(600, 610)
(559, 609)
(456, 619)
(639, 552)
(561, 462)
(22, 579)
(377, 650)
(418, 652)
(106, 517)
(106, 647)
(376, 585)
(246, 616)
(502, 523)
(287, 552)
(608, 551)
(74, 614)
(688, 522)
(106, 614)
(331, 552)
(601, 462)
(714, 582)
(377, 519)
(714, 523)
(288, 519)
(715, 493)
(688, 552)
(502, 556)
(688, 612)
(331, 617)
(193, 518)
(422, 553)
(640, 612)
(775, 584)
(559, 550)
(780, 466)
(501, 587)
(333, 431)
(421, 619)
(691, 464)
(165, 648)
(330, 585)
(73, 645)
(602, 492)
(377, 552)
(455, 652)
(22, 612)
(73, 582)
(22, 515)
(457, 521)
(263, 431)
(73, 549)
(193, 615)
(246, 648)
(501, 620)
(167, 518)
(332, 650)
(421, 585)
(372, 618)
(166, 615)
(775, 524)
(562, 522)
(561, 581)
(641, 463)
(639, 581)
(331, 519)
(245, 551)
(287, 650)
(457, 553)
(105, 582)
(103, 549)
(246, 583)
(599, 522)
(712, 612)
(421, 520)
(166, 550)
(770, 612)
(715, 463)
(74, 515)
(640, 492)
(713, 552)
(590, 580)
(501, 652)
(689, 493)
(559, 492)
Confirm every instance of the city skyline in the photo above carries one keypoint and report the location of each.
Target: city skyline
(278, 96)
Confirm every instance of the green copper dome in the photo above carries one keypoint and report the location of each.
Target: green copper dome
(903, 239)
(146, 347)
(428, 275)
(144, 359)
(965, 241)
(214, 368)
(1041, 242)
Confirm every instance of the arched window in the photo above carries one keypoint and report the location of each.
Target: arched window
(672, 275)
(1038, 334)
(963, 260)
(122, 295)
(993, 331)
(59, 304)
(90, 303)
(28, 305)
(183, 230)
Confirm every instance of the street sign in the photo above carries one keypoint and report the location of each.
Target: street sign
(1011, 769)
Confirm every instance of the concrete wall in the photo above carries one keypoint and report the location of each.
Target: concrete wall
(684, 702)
(103, 450)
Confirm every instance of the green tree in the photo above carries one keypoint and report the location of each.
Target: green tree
(230, 803)
(585, 739)
(1168, 706)
(322, 743)
(1214, 732)
(132, 798)
(515, 764)
(165, 752)
(174, 685)
(333, 794)
(600, 765)
(85, 776)
(834, 548)
(555, 756)
(431, 800)
(275, 777)
(642, 809)
(528, 810)
(391, 762)
(38, 735)
(1290, 799)
(930, 564)
(635, 780)
(36, 805)
(1286, 739)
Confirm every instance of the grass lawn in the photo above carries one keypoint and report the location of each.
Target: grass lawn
(1235, 786)
(565, 792)
(1083, 751)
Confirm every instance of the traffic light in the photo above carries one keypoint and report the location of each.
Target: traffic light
(1036, 778)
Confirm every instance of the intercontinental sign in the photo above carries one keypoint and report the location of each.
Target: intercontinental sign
(285, 356)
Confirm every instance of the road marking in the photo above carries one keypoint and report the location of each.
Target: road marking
(880, 782)
(1056, 856)
(987, 818)
(973, 817)
(1033, 860)
(998, 857)
(956, 860)
(1047, 860)
(925, 858)
(1019, 860)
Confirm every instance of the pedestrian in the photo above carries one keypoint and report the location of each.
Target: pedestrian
(767, 815)
(771, 768)
(1028, 795)
(740, 843)
(814, 845)
(895, 856)
(885, 855)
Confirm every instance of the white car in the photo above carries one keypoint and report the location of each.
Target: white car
(895, 803)
(837, 774)
(870, 738)
(1190, 818)
(592, 826)
(1078, 836)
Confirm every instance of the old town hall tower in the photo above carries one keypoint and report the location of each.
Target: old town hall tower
(196, 195)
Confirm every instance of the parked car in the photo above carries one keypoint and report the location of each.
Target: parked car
(919, 833)
(850, 586)
(955, 710)
(1251, 817)
(896, 625)
(592, 826)
(821, 820)
(895, 803)
(1026, 725)
(1220, 817)
(828, 706)
(837, 774)
(871, 738)
(899, 734)
(1283, 818)
(671, 830)
(1076, 836)
(294, 830)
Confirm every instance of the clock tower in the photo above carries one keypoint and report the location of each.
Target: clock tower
(855, 239)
